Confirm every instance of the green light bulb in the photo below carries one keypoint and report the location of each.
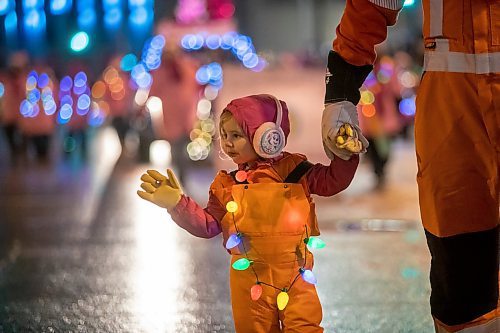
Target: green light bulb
(241, 264)
(315, 243)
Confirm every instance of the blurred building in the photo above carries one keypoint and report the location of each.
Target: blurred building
(45, 28)
(75, 39)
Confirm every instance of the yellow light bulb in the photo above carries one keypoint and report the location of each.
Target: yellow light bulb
(282, 300)
(232, 206)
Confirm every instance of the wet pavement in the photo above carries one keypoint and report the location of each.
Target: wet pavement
(80, 252)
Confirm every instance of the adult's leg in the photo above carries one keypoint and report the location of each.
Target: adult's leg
(378, 153)
(14, 139)
(180, 156)
(121, 125)
(42, 145)
(457, 143)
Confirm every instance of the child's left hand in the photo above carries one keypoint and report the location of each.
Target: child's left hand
(161, 190)
(347, 138)
(335, 117)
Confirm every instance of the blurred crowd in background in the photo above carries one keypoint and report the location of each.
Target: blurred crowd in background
(162, 93)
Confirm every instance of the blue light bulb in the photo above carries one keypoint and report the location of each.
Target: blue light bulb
(233, 240)
(308, 276)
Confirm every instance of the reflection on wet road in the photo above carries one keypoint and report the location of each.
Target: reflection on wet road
(80, 252)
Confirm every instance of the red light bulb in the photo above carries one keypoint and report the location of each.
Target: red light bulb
(256, 291)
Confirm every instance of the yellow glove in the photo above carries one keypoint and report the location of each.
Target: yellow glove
(340, 125)
(347, 138)
(161, 190)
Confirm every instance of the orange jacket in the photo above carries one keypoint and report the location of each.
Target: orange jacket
(460, 36)
(320, 179)
(14, 93)
(364, 18)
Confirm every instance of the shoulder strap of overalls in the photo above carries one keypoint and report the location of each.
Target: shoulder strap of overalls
(299, 171)
(293, 177)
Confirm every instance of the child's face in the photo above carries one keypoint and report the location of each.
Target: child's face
(235, 143)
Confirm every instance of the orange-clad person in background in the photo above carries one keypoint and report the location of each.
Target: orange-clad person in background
(119, 97)
(37, 121)
(75, 95)
(175, 84)
(13, 81)
(457, 136)
(379, 117)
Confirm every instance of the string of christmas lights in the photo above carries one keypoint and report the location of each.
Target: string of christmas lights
(244, 263)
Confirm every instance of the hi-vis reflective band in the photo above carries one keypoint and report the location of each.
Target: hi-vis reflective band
(436, 18)
(389, 4)
(489, 327)
(441, 59)
(446, 61)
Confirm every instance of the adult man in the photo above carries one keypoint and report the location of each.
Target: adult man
(457, 136)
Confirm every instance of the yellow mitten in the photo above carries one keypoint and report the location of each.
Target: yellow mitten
(340, 124)
(347, 138)
(161, 190)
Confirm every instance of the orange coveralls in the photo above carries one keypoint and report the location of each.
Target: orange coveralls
(272, 217)
(457, 134)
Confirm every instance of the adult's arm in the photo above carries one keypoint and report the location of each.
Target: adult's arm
(364, 25)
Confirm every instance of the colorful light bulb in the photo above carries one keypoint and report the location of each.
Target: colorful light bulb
(308, 276)
(282, 300)
(232, 206)
(241, 264)
(315, 243)
(233, 240)
(256, 291)
(241, 176)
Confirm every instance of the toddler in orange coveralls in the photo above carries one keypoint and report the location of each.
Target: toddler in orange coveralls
(266, 214)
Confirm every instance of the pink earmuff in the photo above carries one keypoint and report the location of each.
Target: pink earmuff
(269, 138)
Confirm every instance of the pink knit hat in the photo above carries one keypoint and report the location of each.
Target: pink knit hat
(252, 111)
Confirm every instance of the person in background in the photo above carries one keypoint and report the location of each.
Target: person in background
(379, 116)
(119, 97)
(409, 73)
(175, 84)
(37, 121)
(14, 89)
(76, 95)
(457, 139)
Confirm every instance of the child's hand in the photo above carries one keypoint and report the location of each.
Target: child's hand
(347, 138)
(335, 117)
(161, 190)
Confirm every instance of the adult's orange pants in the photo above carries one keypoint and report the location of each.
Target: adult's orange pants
(457, 136)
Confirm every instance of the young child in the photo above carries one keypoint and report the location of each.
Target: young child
(266, 214)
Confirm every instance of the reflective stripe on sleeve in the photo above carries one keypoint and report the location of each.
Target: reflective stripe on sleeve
(446, 61)
(489, 327)
(389, 4)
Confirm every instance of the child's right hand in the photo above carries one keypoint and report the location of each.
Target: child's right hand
(161, 190)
